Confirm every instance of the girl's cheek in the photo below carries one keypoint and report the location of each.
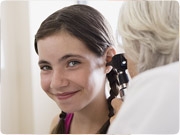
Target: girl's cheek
(45, 83)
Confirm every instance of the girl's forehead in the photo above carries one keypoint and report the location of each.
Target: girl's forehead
(62, 40)
(62, 44)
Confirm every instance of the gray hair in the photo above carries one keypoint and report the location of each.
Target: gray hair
(150, 32)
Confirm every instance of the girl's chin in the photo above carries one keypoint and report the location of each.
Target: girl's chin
(68, 109)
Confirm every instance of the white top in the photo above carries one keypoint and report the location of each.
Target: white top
(151, 105)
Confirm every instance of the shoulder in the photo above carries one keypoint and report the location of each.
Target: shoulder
(157, 78)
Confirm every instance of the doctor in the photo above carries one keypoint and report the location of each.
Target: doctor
(150, 37)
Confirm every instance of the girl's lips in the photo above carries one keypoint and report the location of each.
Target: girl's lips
(66, 95)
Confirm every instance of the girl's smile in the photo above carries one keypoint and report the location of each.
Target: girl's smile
(66, 95)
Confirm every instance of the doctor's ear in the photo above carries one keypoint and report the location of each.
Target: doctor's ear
(110, 52)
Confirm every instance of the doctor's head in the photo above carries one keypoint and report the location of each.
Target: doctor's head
(150, 33)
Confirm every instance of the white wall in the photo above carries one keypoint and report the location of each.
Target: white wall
(16, 86)
(25, 108)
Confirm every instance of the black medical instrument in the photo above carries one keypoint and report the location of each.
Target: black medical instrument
(119, 62)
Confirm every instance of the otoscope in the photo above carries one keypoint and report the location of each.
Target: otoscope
(119, 62)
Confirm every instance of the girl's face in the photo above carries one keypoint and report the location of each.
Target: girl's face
(71, 74)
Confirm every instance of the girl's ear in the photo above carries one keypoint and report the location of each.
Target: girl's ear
(110, 52)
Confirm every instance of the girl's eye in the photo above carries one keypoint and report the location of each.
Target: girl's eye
(73, 63)
(45, 68)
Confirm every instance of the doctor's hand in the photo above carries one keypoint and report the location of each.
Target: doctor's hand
(116, 103)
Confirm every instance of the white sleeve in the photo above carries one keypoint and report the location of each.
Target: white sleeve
(152, 103)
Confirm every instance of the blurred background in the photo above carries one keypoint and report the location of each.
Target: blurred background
(25, 108)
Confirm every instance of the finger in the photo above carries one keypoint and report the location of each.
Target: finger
(116, 103)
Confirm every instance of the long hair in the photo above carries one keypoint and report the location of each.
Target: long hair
(89, 26)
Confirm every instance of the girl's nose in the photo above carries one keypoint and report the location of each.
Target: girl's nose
(58, 80)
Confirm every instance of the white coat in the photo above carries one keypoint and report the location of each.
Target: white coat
(151, 105)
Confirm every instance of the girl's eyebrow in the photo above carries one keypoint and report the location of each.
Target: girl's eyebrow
(62, 58)
(43, 62)
(70, 56)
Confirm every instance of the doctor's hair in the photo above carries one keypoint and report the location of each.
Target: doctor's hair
(150, 32)
(89, 26)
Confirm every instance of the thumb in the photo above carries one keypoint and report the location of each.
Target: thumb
(116, 104)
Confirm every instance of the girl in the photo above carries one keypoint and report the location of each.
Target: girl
(74, 45)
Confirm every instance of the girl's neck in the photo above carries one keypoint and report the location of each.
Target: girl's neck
(90, 119)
